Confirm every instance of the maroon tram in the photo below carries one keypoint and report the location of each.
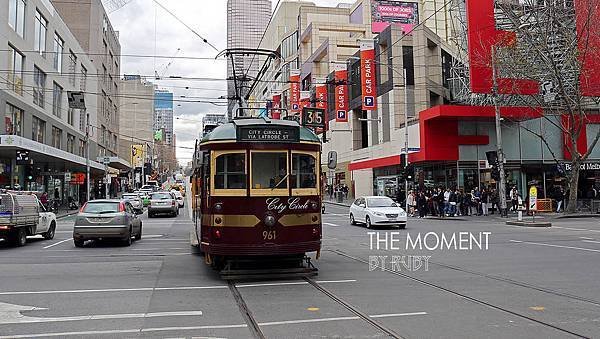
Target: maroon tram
(257, 192)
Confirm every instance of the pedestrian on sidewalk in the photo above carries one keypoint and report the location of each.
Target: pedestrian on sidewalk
(412, 202)
(514, 198)
(485, 200)
(560, 197)
(422, 205)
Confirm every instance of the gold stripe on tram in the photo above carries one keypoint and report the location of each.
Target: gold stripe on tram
(300, 219)
(235, 220)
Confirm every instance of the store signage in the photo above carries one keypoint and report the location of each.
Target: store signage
(23, 157)
(295, 92)
(368, 82)
(268, 134)
(321, 102)
(588, 166)
(397, 13)
(341, 93)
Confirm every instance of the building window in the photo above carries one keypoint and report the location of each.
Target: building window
(59, 46)
(16, 16)
(115, 141)
(38, 130)
(71, 143)
(104, 73)
(71, 116)
(82, 122)
(72, 67)
(39, 89)
(103, 135)
(14, 120)
(83, 80)
(15, 70)
(82, 148)
(56, 137)
(57, 100)
(41, 27)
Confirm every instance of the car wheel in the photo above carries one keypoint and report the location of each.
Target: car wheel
(20, 237)
(49, 235)
(352, 221)
(78, 242)
(127, 241)
(139, 235)
(150, 214)
(368, 221)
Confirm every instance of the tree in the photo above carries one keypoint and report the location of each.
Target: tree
(557, 46)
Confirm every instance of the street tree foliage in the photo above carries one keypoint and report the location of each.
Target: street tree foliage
(556, 44)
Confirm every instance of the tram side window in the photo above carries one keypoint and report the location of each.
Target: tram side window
(269, 170)
(303, 171)
(230, 171)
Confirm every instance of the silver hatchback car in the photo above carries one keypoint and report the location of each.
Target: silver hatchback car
(163, 203)
(107, 219)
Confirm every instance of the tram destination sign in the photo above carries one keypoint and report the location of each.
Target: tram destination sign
(268, 134)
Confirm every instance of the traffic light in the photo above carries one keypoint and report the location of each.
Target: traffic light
(28, 172)
(492, 158)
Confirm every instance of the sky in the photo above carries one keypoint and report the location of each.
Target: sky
(147, 30)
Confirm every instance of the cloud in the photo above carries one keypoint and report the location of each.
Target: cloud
(146, 29)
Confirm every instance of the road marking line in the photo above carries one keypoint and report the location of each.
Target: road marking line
(591, 241)
(147, 289)
(58, 243)
(586, 238)
(157, 249)
(559, 246)
(575, 229)
(205, 327)
(330, 224)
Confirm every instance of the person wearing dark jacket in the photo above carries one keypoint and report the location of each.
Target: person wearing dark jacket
(422, 205)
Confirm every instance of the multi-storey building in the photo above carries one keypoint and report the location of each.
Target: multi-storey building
(246, 23)
(210, 121)
(90, 25)
(137, 114)
(44, 61)
(163, 114)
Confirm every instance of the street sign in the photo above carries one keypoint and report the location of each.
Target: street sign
(548, 91)
(104, 160)
(23, 157)
(67, 176)
(533, 198)
(332, 160)
(76, 100)
(313, 117)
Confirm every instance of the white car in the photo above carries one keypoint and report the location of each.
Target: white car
(179, 198)
(377, 211)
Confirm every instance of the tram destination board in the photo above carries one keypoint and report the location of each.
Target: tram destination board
(268, 134)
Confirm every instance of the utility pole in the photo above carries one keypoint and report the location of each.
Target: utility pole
(499, 149)
(87, 154)
(405, 140)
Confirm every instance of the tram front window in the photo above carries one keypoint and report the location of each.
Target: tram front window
(230, 171)
(303, 171)
(269, 170)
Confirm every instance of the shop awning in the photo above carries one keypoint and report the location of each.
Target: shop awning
(374, 163)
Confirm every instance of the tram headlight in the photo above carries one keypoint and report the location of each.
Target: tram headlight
(269, 220)
(218, 207)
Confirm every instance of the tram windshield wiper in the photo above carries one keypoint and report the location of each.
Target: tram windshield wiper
(280, 181)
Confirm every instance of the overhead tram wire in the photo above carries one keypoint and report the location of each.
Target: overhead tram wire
(188, 27)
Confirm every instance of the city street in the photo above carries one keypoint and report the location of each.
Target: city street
(529, 280)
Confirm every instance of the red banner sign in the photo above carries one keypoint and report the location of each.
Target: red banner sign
(321, 97)
(341, 95)
(304, 100)
(294, 92)
(276, 113)
(367, 75)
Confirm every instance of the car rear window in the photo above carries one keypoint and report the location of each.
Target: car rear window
(101, 207)
(130, 196)
(161, 196)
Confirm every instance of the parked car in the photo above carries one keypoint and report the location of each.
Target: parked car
(377, 211)
(178, 197)
(136, 202)
(163, 203)
(22, 215)
(107, 219)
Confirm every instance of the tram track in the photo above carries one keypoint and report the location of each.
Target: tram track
(245, 311)
(477, 300)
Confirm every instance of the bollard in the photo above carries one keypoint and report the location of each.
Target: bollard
(520, 216)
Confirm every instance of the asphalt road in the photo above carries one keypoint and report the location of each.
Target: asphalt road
(530, 282)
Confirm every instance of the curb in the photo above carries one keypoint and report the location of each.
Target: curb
(577, 216)
(337, 203)
(445, 219)
(529, 224)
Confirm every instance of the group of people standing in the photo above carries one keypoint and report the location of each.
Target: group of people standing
(336, 190)
(446, 202)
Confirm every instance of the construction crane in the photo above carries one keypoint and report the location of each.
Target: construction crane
(162, 74)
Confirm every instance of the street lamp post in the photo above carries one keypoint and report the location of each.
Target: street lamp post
(499, 148)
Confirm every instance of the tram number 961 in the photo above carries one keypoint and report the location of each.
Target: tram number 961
(269, 235)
